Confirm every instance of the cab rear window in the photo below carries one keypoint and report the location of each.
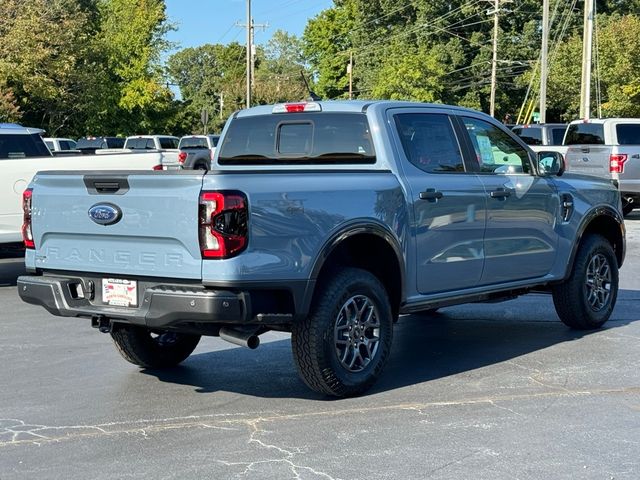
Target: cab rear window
(585, 133)
(318, 138)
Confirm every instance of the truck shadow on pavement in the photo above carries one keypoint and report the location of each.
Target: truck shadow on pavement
(11, 267)
(425, 348)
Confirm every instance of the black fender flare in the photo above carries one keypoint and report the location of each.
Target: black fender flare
(346, 231)
(589, 217)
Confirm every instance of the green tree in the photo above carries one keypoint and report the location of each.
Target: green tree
(280, 70)
(132, 39)
(206, 73)
(47, 71)
(617, 44)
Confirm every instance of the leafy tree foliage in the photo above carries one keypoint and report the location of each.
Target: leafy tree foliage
(440, 51)
(75, 67)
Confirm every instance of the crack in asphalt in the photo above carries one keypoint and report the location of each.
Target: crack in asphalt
(15, 432)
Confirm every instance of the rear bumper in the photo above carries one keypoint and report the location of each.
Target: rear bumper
(160, 306)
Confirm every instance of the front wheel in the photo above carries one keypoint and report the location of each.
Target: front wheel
(586, 299)
(150, 349)
(341, 348)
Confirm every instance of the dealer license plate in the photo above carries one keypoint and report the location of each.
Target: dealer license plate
(118, 292)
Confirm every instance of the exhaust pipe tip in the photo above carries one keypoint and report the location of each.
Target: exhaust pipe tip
(244, 338)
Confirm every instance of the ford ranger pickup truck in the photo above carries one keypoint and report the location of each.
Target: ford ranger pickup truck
(327, 220)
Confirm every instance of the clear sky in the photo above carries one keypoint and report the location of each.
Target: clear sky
(213, 21)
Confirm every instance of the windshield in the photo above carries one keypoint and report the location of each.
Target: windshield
(298, 138)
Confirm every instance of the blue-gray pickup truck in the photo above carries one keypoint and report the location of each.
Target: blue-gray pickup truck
(327, 220)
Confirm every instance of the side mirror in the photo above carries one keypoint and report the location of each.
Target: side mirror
(550, 163)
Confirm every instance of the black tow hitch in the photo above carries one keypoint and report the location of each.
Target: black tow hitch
(102, 323)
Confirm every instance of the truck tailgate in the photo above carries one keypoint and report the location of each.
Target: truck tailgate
(155, 234)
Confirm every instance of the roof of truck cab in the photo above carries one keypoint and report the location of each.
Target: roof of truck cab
(354, 106)
(15, 129)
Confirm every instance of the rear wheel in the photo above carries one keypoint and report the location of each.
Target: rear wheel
(201, 166)
(341, 348)
(586, 299)
(153, 349)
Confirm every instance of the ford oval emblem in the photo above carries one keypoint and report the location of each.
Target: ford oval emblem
(105, 214)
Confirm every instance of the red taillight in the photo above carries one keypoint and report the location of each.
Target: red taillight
(27, 234)
(182, 157)
(223, 224)
(157, 167)
(616, 163)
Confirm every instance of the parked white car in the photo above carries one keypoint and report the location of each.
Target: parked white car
(23, 153)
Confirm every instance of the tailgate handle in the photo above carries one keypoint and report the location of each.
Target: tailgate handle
(585, 150)
(98, 185)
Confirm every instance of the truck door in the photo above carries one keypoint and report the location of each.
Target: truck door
(520, 241)
(448, 201)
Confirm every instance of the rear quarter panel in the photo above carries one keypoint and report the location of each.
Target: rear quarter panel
(293, 215)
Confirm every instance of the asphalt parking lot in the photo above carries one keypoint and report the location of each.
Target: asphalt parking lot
(485, 391)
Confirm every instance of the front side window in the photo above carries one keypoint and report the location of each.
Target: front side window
(495, 150)
(429, 142)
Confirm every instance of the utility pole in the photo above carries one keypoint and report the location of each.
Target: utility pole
(544, 61)
(251, 51)
(494, 61)
(221, 103)
(350, 72)
(587, 39)
(254, 25)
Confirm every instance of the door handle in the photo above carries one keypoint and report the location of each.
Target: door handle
(431, 194)
(500, 193)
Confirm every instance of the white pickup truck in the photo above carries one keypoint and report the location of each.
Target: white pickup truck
(23, 153)
(606, 148)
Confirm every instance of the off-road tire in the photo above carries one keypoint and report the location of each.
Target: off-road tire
(141, 347)
(316, 341)
(572, 297)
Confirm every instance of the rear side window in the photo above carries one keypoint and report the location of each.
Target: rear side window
(22, 146)
(114, 143)
(585, 133)
(530, 135)
(298, 138)
(214, 140)
(628, 133)
(429, 142)
(168, 143)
